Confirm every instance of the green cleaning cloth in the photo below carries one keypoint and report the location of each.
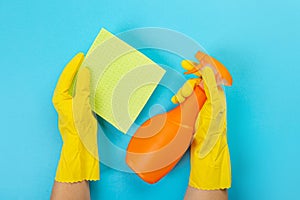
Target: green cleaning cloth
(122, 79)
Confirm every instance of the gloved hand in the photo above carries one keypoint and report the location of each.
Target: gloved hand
(77, 125)
(210, 160)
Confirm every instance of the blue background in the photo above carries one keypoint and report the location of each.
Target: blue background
(257, 40)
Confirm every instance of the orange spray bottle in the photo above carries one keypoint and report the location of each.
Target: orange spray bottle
(160, 142)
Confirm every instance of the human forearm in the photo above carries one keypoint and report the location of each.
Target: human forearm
(74, 191)
(195, 194)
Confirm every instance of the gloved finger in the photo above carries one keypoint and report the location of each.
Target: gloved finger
(191, 67)
(174, 100)
(84, 119)
(188, 65)
(210, 85)
(185, 91)
(214, 109)
(178, 98)
(83, 83)
(66, 78)
(189, 86)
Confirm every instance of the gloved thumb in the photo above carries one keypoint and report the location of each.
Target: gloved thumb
(83, 83)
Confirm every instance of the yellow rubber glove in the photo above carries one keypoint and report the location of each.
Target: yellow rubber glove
(210, 161)
(77, 125)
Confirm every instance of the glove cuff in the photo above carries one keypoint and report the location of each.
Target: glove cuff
(210, 174)
(77, 164)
